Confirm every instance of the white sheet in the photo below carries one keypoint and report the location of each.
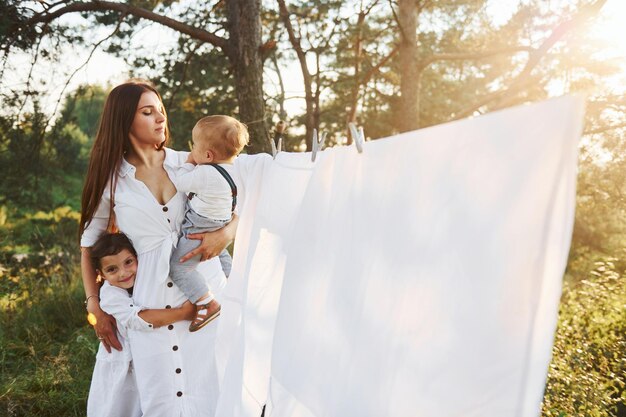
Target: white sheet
(419, 278)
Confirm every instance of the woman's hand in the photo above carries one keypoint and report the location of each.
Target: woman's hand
(189, 310)
(213, 243)
(106, 330)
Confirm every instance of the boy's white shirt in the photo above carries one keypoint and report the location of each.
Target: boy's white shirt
(118, 303)
(213, 196)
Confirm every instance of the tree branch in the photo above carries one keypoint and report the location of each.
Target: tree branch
(374, 70)
(281, 85)
(96, 5)
(295, 43)
(585, 14)
(93, 50)
(472, 56)
(188, 59)
(30, 75)
(369, 8)
(523, 78)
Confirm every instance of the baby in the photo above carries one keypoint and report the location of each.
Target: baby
(217, 140)
(113, 391)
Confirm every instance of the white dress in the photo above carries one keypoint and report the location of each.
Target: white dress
(175, 369)
(113, 390)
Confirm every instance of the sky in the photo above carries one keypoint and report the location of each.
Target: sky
(106, 69)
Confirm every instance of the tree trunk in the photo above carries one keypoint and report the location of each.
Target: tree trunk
(408, 109)
(310, 100)
(244, 25)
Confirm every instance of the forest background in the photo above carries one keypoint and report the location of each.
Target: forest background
(387, 65)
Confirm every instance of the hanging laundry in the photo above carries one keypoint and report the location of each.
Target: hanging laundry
(271, 193)
(419, 278)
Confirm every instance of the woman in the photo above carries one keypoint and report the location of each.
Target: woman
(128, 186)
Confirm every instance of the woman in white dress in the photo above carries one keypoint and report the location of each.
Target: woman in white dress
(128, 185)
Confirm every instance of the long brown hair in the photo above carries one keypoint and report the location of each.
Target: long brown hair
(111, 143)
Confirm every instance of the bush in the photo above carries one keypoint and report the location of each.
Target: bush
(47, 353)
(47, 350)
(588, 371)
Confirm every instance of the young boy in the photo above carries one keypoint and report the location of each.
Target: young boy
(113, 390)
(217, 140)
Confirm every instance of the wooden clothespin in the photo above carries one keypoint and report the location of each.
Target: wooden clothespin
(277, 142)
(317, 145)
(358, 137)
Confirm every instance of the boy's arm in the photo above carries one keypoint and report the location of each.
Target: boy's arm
(186, 178)
(163, 316)
(190, 178)
(118, 303)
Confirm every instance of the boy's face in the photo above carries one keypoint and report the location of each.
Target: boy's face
(120, 269)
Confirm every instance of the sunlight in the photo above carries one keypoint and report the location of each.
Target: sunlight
(91, 319)
(610, 28)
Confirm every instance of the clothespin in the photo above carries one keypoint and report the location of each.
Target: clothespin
(316, 145)
(277, 142)
(358, 137)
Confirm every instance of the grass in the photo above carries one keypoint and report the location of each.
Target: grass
(47, 351)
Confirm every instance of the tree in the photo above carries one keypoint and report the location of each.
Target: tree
(40, 168)
(83, 108)
(390, 55)
(24, 25)
(317, 34)
(194, 82)
(419, 63)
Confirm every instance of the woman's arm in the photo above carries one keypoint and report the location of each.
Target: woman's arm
(105, 326)
(162, 316)
(213, 243)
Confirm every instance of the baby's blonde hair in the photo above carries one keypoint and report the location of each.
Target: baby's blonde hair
(225, 135)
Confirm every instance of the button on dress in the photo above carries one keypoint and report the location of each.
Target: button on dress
(171, 382)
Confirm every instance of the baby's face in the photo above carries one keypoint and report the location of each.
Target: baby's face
(119, 269)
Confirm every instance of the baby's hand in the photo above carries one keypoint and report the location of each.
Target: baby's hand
(189, 310)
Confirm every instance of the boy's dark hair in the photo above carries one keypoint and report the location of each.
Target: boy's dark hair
(109, 244)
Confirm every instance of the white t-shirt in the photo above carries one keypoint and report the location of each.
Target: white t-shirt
(213, 196)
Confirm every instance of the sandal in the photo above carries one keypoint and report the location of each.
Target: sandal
(212, 310)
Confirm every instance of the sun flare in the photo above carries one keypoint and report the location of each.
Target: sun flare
(610, 28)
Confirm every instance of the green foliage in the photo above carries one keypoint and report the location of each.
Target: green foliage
(194, 86)
(41, 167)
(47, 350)
(21, 163)
(40, 231)
(600, 225)
(588, 371)
(11, 17)
(83, 108)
